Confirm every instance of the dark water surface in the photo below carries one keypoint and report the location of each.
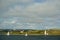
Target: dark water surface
(21, 37)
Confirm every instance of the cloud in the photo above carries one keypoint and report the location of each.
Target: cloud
(47, 13)
(37, 10)
(4, 3)
(19, 23)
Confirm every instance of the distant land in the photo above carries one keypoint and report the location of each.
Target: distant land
(30, 32)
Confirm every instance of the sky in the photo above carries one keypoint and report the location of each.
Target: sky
(29, 14)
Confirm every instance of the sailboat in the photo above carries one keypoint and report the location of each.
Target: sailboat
(8, 33)
(26, 34)
(45, 32)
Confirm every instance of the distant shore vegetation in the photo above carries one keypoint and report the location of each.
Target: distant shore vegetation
(30, 32)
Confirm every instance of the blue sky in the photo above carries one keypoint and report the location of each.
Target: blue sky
(29, 14)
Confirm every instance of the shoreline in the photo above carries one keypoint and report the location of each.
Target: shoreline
(30, 32)
(33, 34)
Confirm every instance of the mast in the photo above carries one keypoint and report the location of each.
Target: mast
(45, 32)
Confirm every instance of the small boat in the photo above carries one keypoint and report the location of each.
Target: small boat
(26, 34)
(45, 32)
(8, 33)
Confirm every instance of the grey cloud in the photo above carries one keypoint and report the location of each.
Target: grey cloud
(46, 13)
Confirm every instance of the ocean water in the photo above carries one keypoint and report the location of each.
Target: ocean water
(22, 37)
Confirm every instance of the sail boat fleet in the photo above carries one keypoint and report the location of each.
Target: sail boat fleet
(45, 33)
(8, 33)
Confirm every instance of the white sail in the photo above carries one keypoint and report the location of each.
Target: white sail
(26, 34)
(8, 33)
(45, 32)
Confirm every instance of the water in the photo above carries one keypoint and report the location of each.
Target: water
(21, 37)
